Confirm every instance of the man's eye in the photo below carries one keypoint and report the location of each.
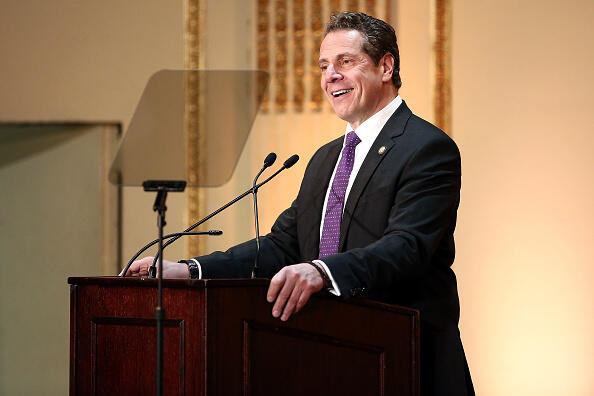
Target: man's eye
(323, 68)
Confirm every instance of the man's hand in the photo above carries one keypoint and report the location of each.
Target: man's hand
(170, 269)
(292, 287)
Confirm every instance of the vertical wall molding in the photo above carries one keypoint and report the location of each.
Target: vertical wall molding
(194, 42)
(280, 75)
(299, 58)
(262, 46)
(111, 204)
(442, 98)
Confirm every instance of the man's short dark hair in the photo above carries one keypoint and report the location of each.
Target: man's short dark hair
(379, 38)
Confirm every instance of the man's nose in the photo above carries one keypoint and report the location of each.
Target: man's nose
(331, 74)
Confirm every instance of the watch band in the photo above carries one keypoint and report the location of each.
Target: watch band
(325, 278)
(192, 267)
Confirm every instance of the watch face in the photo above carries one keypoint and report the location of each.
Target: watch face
(192, 267)
(194, 273)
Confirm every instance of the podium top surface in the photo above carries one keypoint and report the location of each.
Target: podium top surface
(135, 282)
(171, 283)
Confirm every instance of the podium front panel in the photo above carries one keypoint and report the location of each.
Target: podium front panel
(221, 339)
(113, 333)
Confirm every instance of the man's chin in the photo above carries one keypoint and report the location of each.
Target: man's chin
(341, 112)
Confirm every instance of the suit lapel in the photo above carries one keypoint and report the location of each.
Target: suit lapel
(386, 139)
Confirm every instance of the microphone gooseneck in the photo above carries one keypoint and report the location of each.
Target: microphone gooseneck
(270, 158)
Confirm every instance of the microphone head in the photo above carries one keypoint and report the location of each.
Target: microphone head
(269, 160)
(291, 161)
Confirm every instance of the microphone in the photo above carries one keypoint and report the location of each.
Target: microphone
(287, 164)
(267, 162)
(291, 161)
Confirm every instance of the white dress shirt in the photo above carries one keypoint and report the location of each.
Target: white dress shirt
(367, 132)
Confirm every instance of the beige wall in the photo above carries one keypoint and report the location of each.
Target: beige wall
(523, 118)
(413, 25)
(51, 225)
(67, 60)
(85, 60)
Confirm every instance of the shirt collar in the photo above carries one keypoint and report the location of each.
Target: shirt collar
(371, 127)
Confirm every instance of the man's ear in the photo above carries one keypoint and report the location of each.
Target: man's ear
(387, 65)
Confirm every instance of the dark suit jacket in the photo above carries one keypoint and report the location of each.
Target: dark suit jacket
(396, 243)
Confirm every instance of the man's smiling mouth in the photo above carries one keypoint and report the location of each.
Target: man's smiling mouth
(336, 94)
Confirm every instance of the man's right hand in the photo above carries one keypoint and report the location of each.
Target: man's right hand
(170, 269)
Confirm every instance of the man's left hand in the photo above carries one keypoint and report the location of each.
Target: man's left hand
(292, 287)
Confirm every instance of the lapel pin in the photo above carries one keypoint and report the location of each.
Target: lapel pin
(381, 150)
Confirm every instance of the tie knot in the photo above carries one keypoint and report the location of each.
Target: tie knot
(352, 139)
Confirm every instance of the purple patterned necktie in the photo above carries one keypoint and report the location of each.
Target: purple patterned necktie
(333, 216)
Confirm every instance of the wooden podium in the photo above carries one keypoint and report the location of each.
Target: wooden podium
(221, 339)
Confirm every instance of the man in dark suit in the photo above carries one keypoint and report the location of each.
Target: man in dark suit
(376, 211)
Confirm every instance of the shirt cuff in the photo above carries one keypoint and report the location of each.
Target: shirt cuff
(199, 267)
(334, 289)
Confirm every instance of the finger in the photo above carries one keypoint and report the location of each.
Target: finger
(140, 267)
(129, 272)
(284, 295)
(303, 299)
(143, 270)
(145, 264)
(293, 300)
(276, 283)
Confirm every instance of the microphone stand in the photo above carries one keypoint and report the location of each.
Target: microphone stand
(257, 225)
(161, 187)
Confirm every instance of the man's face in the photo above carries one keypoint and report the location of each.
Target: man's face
(350, 79)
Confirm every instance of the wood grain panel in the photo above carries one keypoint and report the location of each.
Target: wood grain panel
(273, 352)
